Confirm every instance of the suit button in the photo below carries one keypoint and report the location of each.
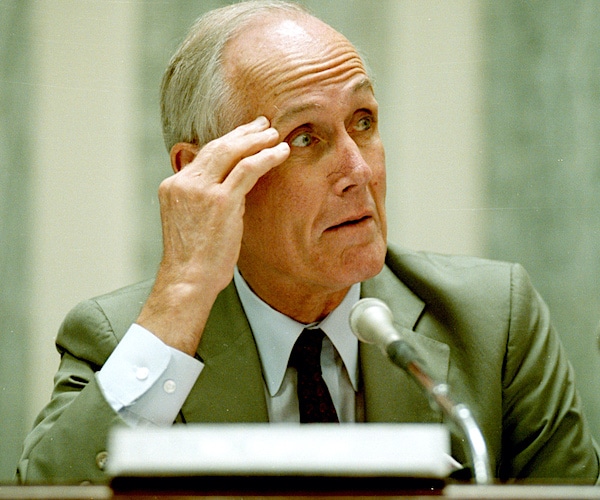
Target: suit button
(101, 459)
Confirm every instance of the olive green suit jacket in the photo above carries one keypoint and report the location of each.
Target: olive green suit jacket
(478, 325)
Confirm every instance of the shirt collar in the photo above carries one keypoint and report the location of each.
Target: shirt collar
(275, 333)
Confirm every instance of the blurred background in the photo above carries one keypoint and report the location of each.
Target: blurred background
(490, 116)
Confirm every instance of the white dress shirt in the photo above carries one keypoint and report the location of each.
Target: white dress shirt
(147, 381)
(275, 335)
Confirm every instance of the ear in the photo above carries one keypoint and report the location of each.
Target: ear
(182, 154)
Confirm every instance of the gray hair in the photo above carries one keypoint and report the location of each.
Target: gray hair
(197, 103)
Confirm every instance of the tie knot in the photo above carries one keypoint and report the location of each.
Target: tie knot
(307, 349)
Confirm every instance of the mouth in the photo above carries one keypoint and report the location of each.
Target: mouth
(350, 223)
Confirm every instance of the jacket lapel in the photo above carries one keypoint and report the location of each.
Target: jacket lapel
(230, 387)
(390, 394)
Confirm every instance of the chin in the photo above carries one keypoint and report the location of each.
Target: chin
(365, 263)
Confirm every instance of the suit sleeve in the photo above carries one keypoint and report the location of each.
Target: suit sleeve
(68, 442)
(545, 434)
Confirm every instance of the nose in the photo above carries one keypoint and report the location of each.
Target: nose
(352, 170)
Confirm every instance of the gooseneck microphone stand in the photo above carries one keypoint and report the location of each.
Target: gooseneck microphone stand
(371, 321)
(459, 415)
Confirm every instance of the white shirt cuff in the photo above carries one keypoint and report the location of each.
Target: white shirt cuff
(147, 381)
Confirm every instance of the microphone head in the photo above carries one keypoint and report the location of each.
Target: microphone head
(371, 320)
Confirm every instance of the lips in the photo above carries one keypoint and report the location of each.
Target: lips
(352, 221)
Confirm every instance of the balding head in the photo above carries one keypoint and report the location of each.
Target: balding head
(280, 55)
(197, 104)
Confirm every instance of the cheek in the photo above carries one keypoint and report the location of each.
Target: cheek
(290, 188)
(272, 203)
(381, 187)
(378, 181)
(381, 169)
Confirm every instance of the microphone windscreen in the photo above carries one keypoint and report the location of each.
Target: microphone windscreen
(371, 321)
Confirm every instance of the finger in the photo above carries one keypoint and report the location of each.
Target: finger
(218, 157)
(246, 173)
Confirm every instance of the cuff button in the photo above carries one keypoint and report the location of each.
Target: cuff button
(101, 459)
(142, 373)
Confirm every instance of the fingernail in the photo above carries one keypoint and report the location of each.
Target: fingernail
(262, 120)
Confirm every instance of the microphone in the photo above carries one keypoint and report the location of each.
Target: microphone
(372, 321)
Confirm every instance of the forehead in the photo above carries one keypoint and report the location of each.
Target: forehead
(275, 63)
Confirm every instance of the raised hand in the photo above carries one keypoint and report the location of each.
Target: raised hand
(202, 209)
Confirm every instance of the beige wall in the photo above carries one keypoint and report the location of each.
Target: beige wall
(84, 166)
(432, 103)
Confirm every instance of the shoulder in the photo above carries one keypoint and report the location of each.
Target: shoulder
(442, 265)
(92, 329)
(455, 282)
(429, 269)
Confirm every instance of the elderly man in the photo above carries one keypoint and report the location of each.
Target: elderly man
(273, 227)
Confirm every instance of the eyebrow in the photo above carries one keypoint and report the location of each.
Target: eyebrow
(364, 83)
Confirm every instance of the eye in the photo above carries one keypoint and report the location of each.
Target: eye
(303, 140)
(365, 123)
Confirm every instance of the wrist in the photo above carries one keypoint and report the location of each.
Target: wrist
(177, 314)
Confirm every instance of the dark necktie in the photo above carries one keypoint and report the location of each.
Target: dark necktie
(313, 395)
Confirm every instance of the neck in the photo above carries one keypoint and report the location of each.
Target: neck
(304, 304)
